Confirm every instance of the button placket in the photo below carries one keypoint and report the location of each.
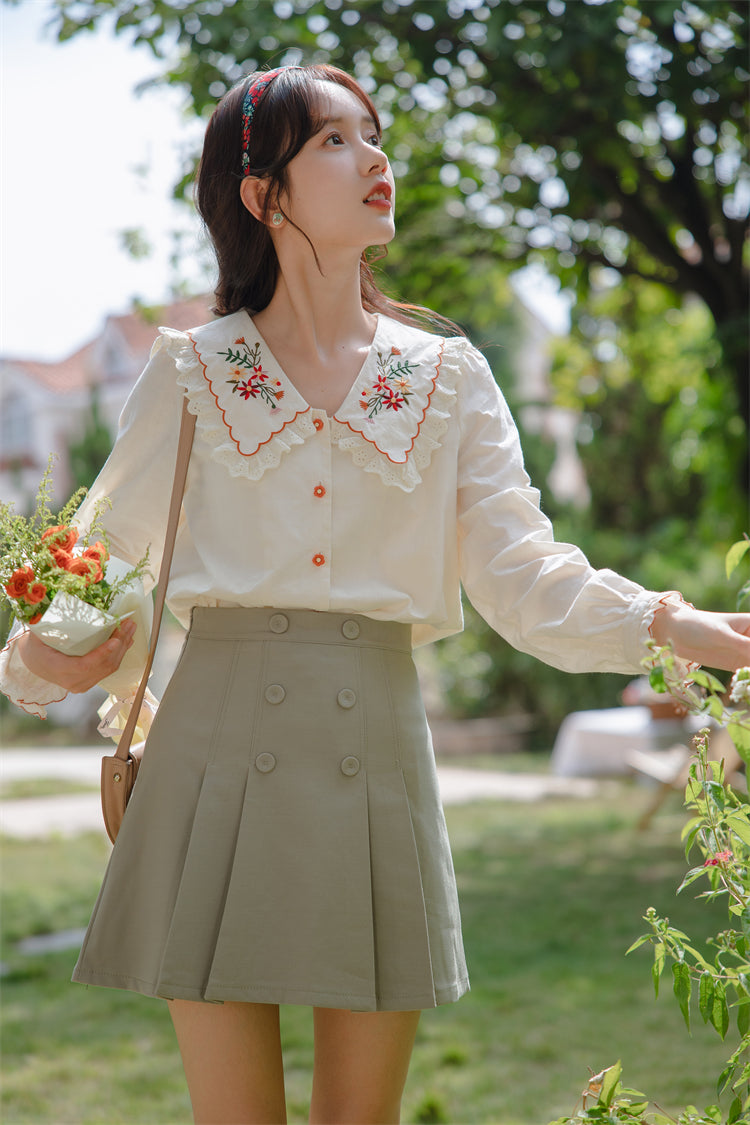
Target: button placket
(318, 504)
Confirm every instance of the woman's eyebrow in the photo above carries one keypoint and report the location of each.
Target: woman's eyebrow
(364, 120)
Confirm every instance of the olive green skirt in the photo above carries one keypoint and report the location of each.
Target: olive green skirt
(285, 841)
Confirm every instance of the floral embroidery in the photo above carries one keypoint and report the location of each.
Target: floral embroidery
(319, 560)
(258, 383)
(391, 389)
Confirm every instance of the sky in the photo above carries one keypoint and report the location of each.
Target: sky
(83, 158)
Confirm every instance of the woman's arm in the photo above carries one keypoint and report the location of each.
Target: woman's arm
(543, 596)
(137, 480)
(718, 640)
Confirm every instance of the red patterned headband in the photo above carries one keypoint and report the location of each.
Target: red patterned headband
(253, 94)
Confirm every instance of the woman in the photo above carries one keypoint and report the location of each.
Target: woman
(285, 842)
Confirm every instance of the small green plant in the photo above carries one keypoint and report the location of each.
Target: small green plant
(718, 978)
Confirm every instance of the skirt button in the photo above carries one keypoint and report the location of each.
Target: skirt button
(274, 693)
(346, 698)
(350, 766)
(350, 629)
(265, 763)
(278, 623)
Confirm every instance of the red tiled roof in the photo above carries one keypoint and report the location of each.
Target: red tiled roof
(63, 376)
(138, 331)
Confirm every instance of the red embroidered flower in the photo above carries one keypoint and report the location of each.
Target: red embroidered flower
(395, 351)
(319, 560)
(393, 400)
(62, 535)
(319, 490)
(240, 341)
(35, 593)
(260, 374)
(19, 582)
(248, 389)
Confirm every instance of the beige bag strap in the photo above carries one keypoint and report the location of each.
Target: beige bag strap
(187, 429)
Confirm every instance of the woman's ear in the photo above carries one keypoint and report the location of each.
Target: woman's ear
(253, 195)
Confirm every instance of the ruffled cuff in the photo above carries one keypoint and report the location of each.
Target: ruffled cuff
(25, 690)
(652, 604)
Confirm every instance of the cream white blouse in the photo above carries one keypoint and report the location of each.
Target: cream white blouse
(413, 486)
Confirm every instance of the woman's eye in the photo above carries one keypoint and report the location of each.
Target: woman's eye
(335, 138)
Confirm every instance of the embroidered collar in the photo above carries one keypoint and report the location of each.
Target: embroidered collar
(252, 414)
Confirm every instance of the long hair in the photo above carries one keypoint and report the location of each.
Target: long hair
(287, 116)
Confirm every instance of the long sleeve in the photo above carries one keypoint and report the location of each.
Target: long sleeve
(540, 595)
(137, 479)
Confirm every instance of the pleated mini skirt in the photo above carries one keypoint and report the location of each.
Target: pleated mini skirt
(285, 841)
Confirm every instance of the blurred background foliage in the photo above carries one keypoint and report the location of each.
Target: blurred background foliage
(603, 139)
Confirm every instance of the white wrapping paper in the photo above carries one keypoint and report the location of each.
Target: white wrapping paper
(74, 627)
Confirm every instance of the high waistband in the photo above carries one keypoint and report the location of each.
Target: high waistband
(310, 625)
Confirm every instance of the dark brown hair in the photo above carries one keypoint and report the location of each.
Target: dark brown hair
(287, 116)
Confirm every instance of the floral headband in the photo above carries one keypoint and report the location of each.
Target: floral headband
(253, 94)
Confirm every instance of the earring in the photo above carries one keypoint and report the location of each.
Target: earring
(277, 219)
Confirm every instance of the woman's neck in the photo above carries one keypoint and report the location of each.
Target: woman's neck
(317, 315)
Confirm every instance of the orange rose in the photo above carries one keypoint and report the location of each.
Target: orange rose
(62, 535)
(86, 568)
(62, 558)
(37, 617)
(19, 581)
(35, 592)
(96, 551)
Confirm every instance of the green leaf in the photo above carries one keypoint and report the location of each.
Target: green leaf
(720, 1011)
(735, 1109)
(682, 989)
(740, 736)
(706, 995)
(743, 1017)
(609, 1084)
(735, 555)
(739, 822)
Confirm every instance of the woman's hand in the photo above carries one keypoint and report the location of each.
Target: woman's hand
(717, 640)
(76, 673)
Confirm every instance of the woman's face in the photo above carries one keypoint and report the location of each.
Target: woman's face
(341, 189)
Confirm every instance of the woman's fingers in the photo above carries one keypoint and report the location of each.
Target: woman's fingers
(76, 673)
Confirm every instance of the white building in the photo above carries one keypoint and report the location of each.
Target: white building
(44, 406)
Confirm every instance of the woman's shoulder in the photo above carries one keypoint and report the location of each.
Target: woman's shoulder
(453, 349)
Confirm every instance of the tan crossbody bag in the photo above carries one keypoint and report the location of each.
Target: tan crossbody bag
(119, 770)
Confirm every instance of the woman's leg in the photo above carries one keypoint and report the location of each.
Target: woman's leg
(232, 1058)
(361, 1062)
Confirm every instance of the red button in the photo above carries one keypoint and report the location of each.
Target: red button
(318, 423)
(319, 491)
(319, 560)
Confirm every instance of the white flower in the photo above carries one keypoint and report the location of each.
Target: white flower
(739, 688)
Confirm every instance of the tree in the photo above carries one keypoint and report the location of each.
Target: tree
(594, 133)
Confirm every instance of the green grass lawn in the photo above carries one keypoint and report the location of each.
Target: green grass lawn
(552, 895)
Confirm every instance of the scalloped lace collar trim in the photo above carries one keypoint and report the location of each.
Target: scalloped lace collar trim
(251, 413)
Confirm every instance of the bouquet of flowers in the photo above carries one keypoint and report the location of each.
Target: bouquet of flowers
(66, 587)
